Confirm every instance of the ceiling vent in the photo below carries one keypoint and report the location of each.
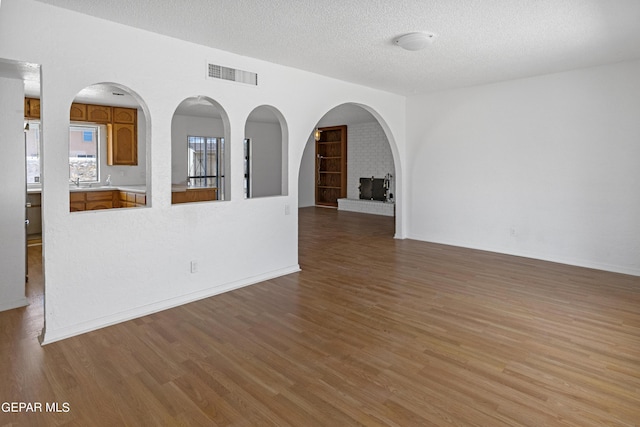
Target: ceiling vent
(231, 74)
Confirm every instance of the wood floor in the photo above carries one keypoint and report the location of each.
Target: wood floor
(373, 331)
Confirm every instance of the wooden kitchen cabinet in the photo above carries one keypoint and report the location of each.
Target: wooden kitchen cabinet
(78, 112)
(99, 113)
(93, 200)
(194, 195)
(122, 145)
(125, 115)
(129, 199)
(122, 148)
(76, 200)
(31, 108)
(99, 200)
(141, 199)
(122, 127)
(102, 204)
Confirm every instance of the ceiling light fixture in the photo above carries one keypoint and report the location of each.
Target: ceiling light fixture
(414, 41)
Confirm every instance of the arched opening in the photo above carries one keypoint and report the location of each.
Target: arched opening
(108, 149)
(265, 153)
(371, 163)
(199, 152)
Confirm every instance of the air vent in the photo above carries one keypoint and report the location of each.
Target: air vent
(231, 74)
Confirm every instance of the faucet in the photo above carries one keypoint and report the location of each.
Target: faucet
(108, 181)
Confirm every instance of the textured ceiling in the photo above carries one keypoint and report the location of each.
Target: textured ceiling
(477, 41)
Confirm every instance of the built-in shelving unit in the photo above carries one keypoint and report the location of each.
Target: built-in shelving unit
(331, 166)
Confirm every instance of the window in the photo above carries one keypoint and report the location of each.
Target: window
(206, 162)
(83, 153)
(32, 147)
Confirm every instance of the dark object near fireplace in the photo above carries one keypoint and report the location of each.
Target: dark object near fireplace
(373, 189)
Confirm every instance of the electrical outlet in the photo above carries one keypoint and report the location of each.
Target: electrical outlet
(287, 209)
(194, 266)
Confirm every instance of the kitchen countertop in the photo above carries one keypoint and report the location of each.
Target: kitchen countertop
(179, 188)
(74, 189)
(175, 188)
(130, 188)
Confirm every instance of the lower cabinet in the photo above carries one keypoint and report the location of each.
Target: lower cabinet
(130, 199)
(77, 201)
(92, 200)
(105, 199)
(194, 195)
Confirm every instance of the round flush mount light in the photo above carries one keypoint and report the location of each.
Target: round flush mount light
(414, 41)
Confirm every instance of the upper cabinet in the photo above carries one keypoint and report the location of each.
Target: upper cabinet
(31, 108)
(122, 127)
(124, 115)
(78, 112)
(122, 146)
(99, 113)
(122, 149)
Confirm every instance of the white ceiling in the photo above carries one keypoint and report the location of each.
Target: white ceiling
(477, 41)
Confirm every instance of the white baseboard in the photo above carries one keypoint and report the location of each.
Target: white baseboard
(51, 336)
(560, 260)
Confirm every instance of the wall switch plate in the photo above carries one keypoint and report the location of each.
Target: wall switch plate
(194, 267)
(287, 209)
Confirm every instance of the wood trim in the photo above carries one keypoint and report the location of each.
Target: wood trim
(109, 144)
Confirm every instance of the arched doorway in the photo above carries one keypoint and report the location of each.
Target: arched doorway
(371, 153)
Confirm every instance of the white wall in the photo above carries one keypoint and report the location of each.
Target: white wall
(545, 167)
(368, 154)
(144, 255)
(307, 177)
(266, 158)
(13, 195)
